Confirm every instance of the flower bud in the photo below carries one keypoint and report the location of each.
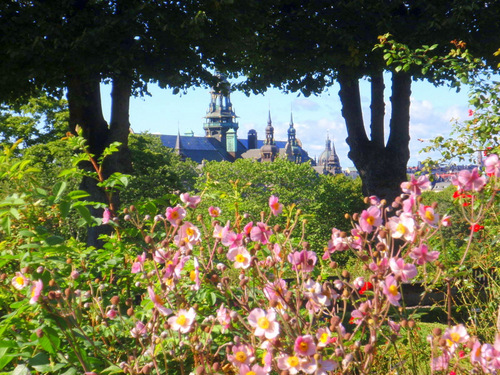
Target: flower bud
(411, 323)
(115, 300)
(148, 239)
(437, 331)
(346, 275)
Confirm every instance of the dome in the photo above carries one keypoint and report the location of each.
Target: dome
(273, 149)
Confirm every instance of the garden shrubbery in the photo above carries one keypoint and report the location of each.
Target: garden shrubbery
(195, 287)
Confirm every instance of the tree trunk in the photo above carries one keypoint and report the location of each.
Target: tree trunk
(85, 107)
(381, 168)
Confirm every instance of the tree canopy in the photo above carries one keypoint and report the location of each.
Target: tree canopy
(324, 42)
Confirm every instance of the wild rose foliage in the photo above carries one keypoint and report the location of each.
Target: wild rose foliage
(248, 297)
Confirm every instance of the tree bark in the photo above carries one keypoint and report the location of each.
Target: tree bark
(381, 168)
(85, 107)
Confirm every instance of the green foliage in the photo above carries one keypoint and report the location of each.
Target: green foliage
(158, 171)
(40, 120)
(246, 185)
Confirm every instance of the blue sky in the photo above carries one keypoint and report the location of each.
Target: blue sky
(432, 112)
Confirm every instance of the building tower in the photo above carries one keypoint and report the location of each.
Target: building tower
(269, 150)
(329, 159)
(292, 148)
(220, 116)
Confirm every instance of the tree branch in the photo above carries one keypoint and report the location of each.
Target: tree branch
(399, 136)
(377, 108)
(351, 110)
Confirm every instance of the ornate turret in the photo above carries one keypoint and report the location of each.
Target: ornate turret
(329, 159)
(269, 151)
(178, 146)
(292, 148)
(220, 114)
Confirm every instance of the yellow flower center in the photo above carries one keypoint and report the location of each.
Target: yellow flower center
(181, 320)
(275, 206)
(192, 275)
(293, 361)
(240, 258)
(158, 300)
(251, 373)
(393, 289)
(401, 228)
(323, 338)
(303, 346)
(455, 337)
(370, 220)
(263, 323)
(190, 231)
(174, 215)
(240, 357)
(20, 280)
(429, 215)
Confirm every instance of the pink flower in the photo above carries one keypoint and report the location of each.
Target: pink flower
(174, 214)
(471, 113)
(467, 180)
(223, 317)
(140, 330)
(138, 265)
(303, 261)
(264, 323)
(182, 321)
(195, 275)
(390, 289)
(260, 233)
(422, 254)
(220, 231)
(304, 346)
(158, 302)
(455, 335)
(174, 266)
(428, 215)
(289, 363)
(190, 201)
(276, 291)
(106, 216)
(324, 336)
(214, 211)
(402, 226)
(247, 229)
(240, 256)
(415, 186)
(36, 291)
(275, 206)
(370, 218)
(446, 221)
(492, 164)
(187, 236)
(255, 370)
(325, 366)
(112, 313)
(20, 281)
(405, 271)
(232, 239)
(241, 355)
(337, 243)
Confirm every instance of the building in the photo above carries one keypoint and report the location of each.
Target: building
(221, 141)
(328, 162)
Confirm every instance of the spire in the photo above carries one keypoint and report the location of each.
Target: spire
(178, 144)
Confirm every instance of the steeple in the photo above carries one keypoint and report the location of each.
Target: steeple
(178, 145)
(329, 158)
(269, 151)
(220, 114)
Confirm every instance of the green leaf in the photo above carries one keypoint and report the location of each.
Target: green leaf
(84, 213)
(5, 357)
(54, 240)
(50, 341)
(21, 370)
(40, 362)
(58, 190)
(64, 208)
